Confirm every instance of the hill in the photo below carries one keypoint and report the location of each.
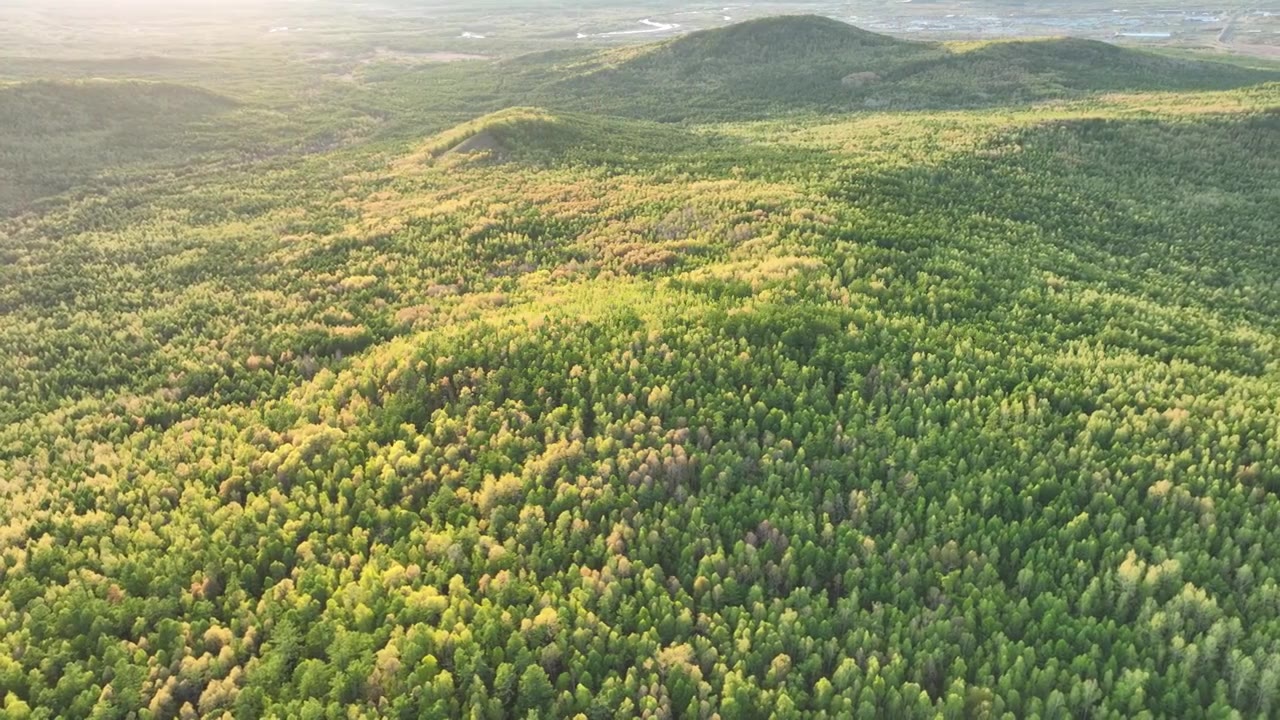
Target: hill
(57, 134)
(808, 64)
(749, 69)
(773, 40)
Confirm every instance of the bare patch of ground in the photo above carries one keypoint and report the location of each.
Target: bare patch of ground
(859, 79)
(1255, 49)
(481, 143)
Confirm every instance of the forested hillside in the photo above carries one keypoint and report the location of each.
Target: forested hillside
(786, 65)
(963, 412)
(54, 132)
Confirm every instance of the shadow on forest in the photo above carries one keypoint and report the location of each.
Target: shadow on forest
(1171, 216)
(1028, 71)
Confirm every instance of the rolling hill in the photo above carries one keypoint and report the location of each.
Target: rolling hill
(744, 70)
(814, 64)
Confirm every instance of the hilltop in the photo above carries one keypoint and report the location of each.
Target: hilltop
(539, 136)
(774, 39)
(746, 70)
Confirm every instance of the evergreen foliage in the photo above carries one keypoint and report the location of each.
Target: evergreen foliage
(961, 413)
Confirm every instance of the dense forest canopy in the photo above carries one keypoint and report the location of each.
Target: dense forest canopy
(673, 380)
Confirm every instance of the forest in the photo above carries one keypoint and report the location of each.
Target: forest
(867, 378)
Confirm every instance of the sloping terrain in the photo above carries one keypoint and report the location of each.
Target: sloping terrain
(956, 413)
(56, 108)
(555, 436)
(745, 70)
(1016, 71)
(54, 135)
